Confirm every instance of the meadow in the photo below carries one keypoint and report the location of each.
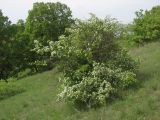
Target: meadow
(38, 100)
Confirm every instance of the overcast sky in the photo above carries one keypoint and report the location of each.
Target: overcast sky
(123, 10)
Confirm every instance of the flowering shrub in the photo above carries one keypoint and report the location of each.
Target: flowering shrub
(94, 88)
(94, 66)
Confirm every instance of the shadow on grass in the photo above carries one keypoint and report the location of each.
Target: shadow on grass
(9, 89)
(141, 78)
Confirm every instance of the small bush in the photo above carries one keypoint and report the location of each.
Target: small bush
(9, 89)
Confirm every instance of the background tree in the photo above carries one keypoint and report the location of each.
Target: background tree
(5, 47)
(21, 47)
(12, 48)
(46, 22)
(146, 26)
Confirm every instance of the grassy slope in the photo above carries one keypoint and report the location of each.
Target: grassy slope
(39, 100)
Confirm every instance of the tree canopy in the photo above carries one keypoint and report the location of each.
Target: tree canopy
(47, 21)
(5, 48)
(146, 26)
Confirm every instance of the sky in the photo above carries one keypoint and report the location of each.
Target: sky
(123, 10)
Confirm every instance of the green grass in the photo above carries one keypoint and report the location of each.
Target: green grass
(9, 89)
(39, 101)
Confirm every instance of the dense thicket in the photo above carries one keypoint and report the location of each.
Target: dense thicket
(95, 68)
(6, 37)
(45, 22)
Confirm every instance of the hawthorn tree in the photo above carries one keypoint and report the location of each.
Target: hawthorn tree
(95, 68)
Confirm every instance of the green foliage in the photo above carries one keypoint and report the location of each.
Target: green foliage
(97, 86)
(146, 26)
(6, 32)
(141, 102)
(94, 66)
(15, 50)
(9, 89)
(126, 37)
(47, 21)
(15, 47)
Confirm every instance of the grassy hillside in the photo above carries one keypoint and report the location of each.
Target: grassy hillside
(39, 101)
